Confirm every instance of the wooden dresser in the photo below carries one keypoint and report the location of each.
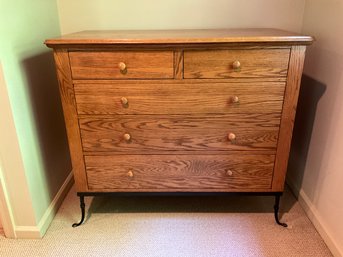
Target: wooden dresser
(180, 110)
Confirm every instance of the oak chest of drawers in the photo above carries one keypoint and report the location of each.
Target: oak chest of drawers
(179, 111)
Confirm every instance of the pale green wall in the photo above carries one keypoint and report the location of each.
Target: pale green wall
(31, 84)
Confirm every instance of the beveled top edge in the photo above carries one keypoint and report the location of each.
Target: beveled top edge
(186, 36)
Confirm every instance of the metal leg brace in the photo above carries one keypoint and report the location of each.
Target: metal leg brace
(82, 206)
(276, 211)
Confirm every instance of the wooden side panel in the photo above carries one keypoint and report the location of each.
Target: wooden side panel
(179, 98)
(260, 63)
(139, 173)
(70, 116)
(138, 65)
(165, 134)
(288, 115)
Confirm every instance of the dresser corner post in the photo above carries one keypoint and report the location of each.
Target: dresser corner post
(66, 88)
(296, 63)
(82, 206)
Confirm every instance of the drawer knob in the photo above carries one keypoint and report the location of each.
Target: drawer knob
(235, 99)
(229, 172)
(122, 67)
(231, 136)
(124, 102)
(236, 65)
(127, 137)
(130, 173)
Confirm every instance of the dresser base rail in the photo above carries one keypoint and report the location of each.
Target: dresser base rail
(82, 195)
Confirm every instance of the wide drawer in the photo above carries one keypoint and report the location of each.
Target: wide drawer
(179, 98)
(122, 65)
(179, 172)
(156, 134)
(253, 63)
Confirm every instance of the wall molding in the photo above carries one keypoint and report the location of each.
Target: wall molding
(35, 232)
(27, 232)
(6, 213)
(316, 219)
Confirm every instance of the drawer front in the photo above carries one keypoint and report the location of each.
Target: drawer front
(259, 63)
(122, 65)
(156, 134)
(183, 172)
(140, 98)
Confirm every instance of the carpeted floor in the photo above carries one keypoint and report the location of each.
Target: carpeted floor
(175, 226)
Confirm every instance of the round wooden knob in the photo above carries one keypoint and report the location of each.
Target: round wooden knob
(229, 172)
(235, 99)
(236, 65)
(122, 66)
(127, 137)
(130, 173)
(231, 136)
(124, 101)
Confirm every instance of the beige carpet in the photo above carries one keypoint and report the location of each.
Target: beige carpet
(175, 226)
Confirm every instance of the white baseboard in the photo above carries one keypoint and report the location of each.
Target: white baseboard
(6, 213)
(27, 232)
(314, 216)
(317, 221)
(39, 231)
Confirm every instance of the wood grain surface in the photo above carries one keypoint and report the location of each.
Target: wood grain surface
(219, 63)
(70, 117)
(169, 172)
(288, 115)
(185, 36)
(165, 134)
(180, 110)
(139, 64)
(179, 98)
(178, 64)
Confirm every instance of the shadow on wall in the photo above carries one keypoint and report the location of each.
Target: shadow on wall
(310, 93)
(49, 121)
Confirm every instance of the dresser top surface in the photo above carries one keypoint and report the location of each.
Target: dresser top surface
(188, 36)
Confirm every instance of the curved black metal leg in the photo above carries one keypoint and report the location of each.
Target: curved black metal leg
(276, 211)
(82, 206)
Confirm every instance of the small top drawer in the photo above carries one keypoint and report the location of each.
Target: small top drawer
(236, 63)
(122, 65)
